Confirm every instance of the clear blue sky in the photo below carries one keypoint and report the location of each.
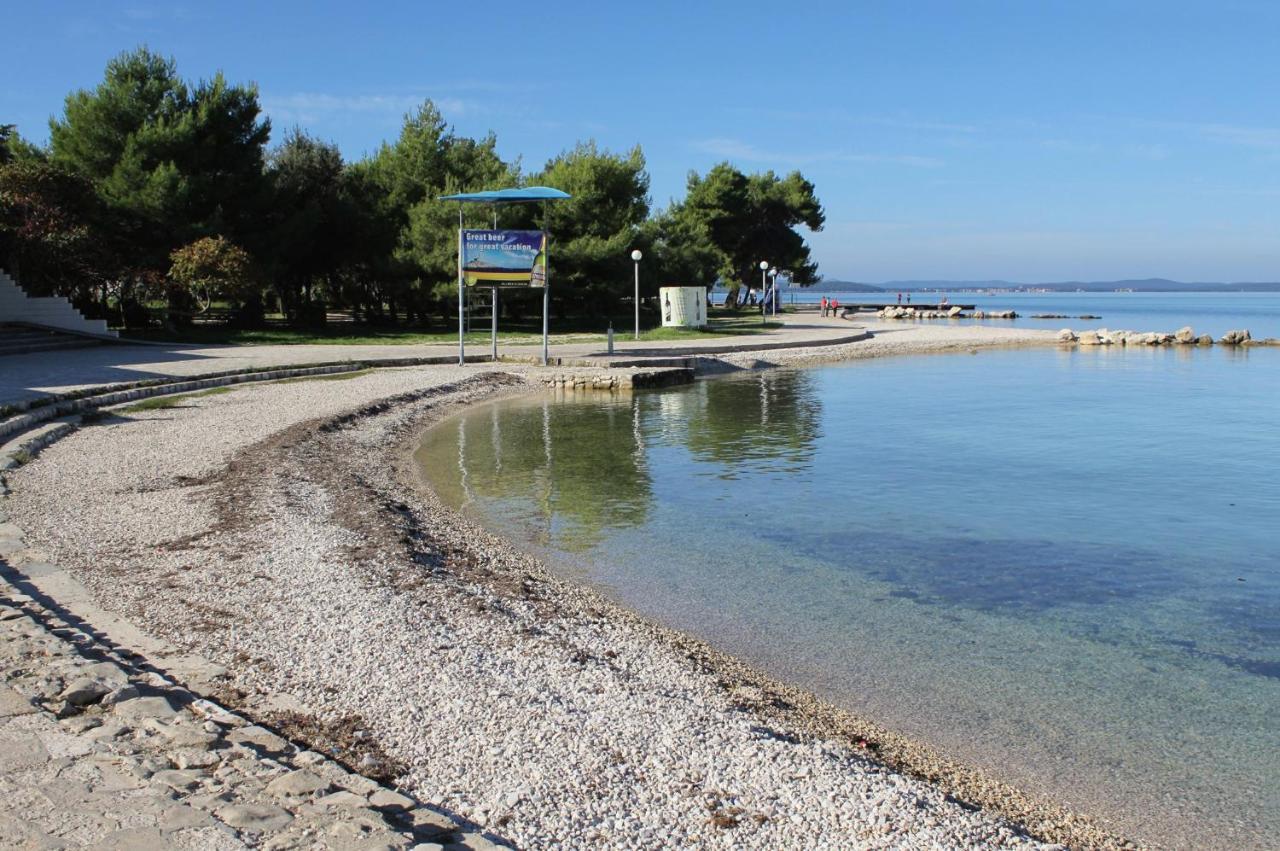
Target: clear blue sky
(967, 140)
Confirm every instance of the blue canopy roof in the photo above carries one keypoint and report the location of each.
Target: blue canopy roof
(509, 196)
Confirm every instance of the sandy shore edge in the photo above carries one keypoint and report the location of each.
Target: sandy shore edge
(403, 520)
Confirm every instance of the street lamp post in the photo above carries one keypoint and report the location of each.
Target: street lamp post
(764, 286)
(635, 256)
(773, 273)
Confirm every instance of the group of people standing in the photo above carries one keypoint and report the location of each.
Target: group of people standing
(831, 304)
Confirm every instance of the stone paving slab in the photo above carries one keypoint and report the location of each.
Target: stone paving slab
(98, 753)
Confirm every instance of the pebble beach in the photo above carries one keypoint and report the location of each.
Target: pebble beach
(280, 531)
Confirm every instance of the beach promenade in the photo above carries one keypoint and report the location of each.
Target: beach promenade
(31, 376)
(271, 550)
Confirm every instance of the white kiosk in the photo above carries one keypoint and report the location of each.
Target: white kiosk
(683, 307)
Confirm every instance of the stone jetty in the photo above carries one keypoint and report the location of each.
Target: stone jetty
(902, 312)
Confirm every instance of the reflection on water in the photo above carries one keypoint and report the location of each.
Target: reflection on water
(570, 471)
(573, 468)
(1059, 565)
(769, 422)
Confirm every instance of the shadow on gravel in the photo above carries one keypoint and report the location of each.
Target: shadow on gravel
(338, 741)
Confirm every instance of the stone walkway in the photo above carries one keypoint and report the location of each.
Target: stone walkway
(96, 751)
(31, 376)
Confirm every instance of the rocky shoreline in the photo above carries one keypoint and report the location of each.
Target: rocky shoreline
(266, 531)
(1184, 336)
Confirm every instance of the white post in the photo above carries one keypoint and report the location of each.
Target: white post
(637, 300)
(635, 257)
(462, 357)
(494, 324)
(764, 285)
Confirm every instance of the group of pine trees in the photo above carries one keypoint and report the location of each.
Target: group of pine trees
(157, 198)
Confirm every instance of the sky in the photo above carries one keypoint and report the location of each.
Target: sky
(968, 140)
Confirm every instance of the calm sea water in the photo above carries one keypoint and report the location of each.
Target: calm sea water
(1208, 313)
(1059, 565)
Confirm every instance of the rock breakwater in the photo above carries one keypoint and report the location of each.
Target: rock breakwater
(899, 312)
(1184, 336)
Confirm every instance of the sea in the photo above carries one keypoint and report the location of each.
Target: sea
(1059, 565)
(1206, 313)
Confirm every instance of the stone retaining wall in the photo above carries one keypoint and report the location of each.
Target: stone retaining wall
(618, 379)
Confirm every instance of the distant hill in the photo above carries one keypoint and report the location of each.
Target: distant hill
(844, 287)
(952, 285)
(1143, 285)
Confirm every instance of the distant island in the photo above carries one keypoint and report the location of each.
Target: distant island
(1144, 285)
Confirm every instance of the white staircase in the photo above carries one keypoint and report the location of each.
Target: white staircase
(52, 312)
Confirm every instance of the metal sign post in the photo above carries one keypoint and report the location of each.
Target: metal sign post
(546, 287)
(493, 333)
(462, 289)
(503, 257)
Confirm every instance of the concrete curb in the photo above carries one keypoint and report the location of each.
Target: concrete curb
(60, 405)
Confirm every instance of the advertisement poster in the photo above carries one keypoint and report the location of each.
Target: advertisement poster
(504, 258)
(683, 307)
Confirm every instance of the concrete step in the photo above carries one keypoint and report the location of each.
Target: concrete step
(54, 311)
(18, 339)
(46, 346)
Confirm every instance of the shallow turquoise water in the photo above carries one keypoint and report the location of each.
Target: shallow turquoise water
(1061, 565)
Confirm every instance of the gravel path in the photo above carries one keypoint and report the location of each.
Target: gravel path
(277, 531)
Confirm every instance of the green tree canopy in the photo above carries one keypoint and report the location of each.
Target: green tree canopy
(184, 160)
(429, 160)
(307, 219)
(14, 147)
(594, 232)
(47, 229)
(146, 163)
(748, 218)
(209, 268)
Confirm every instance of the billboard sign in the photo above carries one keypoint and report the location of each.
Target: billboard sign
(504, 258)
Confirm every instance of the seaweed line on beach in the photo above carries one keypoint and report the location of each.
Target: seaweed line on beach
(347, 482)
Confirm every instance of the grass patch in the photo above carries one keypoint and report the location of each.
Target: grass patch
(161, 402)
(720, 326)
(337, 376)
(343, 334)
(526, 330)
